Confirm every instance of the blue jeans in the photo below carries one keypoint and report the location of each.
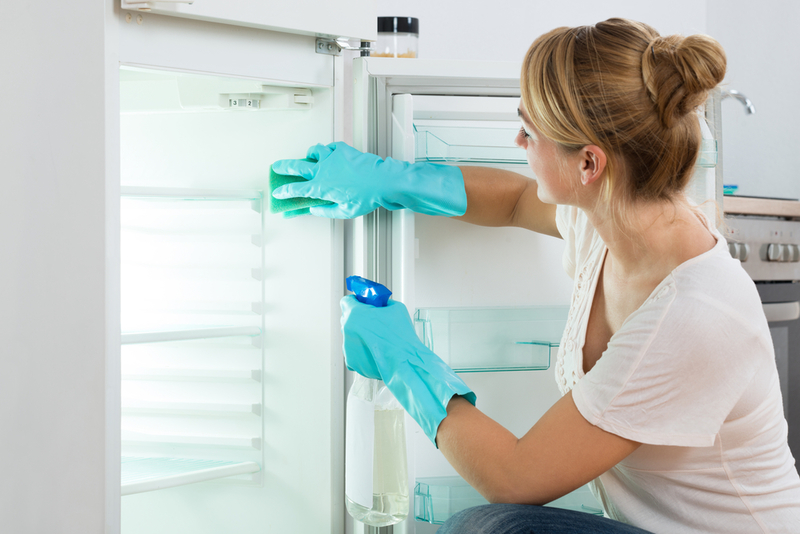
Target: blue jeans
(529, 519)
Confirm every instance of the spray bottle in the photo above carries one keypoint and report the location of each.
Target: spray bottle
(376, 469)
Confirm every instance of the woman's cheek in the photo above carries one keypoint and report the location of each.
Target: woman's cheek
(531, 158)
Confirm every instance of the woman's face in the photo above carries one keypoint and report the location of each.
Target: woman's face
(546, 160)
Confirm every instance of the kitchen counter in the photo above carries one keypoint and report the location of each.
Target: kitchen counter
(761, 206)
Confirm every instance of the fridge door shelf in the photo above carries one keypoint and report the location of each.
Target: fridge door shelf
(438, 498)
(493, 339)
(444, 141)
(477, 144)
(707, 158)
(148, 474)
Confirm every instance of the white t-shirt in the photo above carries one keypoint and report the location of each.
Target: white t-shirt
(691, 375)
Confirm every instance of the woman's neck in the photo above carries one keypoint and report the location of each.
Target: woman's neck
(652, 239)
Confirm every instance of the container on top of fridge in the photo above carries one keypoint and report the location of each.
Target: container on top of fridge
(398, 37)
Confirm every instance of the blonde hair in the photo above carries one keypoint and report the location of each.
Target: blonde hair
(620, 86)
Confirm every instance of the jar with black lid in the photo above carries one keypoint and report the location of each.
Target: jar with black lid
(397, 37)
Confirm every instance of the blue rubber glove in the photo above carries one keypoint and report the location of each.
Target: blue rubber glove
(381, 343)
(360, 182)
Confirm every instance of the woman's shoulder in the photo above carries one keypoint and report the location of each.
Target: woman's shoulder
(717, 278)
(707, 305)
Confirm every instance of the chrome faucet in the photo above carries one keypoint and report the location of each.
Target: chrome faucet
(749, 108)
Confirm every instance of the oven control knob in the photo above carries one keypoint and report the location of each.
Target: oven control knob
(739, 251)
(775, 252)
(744, 251)
(794, 253)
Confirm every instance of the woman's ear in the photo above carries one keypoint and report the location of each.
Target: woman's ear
(592, 164)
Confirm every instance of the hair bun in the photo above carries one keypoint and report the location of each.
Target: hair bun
(679, 71)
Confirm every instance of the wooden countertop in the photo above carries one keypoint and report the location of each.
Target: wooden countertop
(761, 206)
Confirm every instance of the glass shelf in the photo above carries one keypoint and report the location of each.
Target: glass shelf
(188, 334)
(194, 375)
(187, 408)
(438, 498)
(242, 442)
(493, 339)
(148, 474)
(180, 193)
(467, 144)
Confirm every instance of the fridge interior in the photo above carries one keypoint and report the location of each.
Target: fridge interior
(226, 309)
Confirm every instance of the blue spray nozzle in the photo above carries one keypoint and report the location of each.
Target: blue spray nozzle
(368, 292)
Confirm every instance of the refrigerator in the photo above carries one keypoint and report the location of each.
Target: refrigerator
(207, 362)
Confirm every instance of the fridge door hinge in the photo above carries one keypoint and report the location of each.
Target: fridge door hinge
(333, 47)
(147, 5)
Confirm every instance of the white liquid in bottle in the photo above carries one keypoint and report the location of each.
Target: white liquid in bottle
(389, 466)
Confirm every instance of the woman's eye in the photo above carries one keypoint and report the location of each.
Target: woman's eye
(523, 133)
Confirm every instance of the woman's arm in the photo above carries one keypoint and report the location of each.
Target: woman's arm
(559, 454)
(496, 197)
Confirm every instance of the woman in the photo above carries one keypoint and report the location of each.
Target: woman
(671, 403)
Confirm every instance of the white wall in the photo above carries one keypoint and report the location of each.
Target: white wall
(759, 37)
(504, 29)
(764, 64)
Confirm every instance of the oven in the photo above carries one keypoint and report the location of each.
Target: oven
(764, 234)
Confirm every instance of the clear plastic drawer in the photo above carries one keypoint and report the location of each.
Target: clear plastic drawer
(493, 339)
(467, 143)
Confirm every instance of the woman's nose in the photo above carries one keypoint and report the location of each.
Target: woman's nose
(519, 141)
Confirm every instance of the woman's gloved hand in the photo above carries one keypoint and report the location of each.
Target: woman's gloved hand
(381, 343)
(360, 182)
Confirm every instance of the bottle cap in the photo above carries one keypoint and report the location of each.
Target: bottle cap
(368, 292)
(398, 25)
